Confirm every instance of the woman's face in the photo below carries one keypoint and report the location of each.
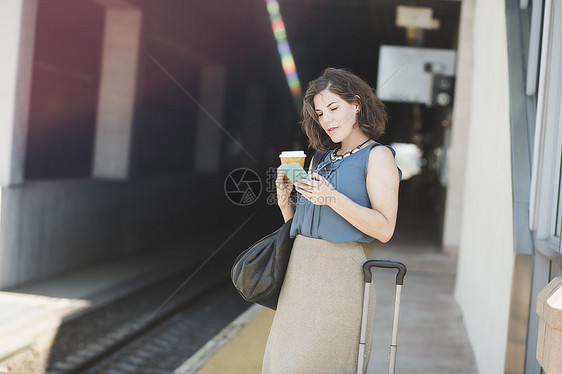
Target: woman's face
(335, 115)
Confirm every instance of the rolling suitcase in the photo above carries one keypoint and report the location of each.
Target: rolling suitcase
(367, 266)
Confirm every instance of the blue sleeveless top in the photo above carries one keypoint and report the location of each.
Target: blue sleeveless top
(348, 176)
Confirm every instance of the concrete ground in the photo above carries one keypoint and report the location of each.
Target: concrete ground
(431, 337)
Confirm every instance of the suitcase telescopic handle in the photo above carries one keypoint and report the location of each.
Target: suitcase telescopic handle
(368, 283)
(387, 265)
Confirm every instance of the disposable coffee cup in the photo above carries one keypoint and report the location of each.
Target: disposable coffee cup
(288, 157)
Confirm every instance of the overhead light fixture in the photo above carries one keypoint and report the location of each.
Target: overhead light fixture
(417, 17)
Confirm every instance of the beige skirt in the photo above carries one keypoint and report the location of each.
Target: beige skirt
(318, 319)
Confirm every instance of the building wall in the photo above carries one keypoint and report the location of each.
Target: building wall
(486, 255)
(48, 227)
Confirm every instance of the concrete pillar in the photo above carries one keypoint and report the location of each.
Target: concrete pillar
(117, 92)
(209, 123)
(457, 154)
(17, 38)
(254, 120)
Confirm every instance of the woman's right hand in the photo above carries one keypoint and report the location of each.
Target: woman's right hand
(284, 188)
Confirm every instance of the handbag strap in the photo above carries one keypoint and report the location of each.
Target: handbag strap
(318, 156)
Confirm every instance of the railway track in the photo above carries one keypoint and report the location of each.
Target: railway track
(147, 342)
(153, 330)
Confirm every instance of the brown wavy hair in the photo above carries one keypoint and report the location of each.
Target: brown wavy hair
(371, 118)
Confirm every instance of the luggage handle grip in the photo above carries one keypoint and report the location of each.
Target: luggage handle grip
(387, 265)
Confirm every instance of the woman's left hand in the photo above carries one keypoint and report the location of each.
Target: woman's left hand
(317, 190)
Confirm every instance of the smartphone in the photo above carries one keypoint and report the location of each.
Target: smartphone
(294, 171)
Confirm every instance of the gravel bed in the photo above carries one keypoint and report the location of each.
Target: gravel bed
(167, 346)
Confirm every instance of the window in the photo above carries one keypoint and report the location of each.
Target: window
(546, 193)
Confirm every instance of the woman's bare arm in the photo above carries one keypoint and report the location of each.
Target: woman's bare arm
(378, 221)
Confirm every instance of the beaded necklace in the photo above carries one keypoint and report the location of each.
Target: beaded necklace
(334, 157)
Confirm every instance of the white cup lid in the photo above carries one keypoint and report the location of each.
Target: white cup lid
(292, 154)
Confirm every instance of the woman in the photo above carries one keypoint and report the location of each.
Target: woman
(352, 198)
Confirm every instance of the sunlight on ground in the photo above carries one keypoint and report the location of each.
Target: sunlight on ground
(24, 317)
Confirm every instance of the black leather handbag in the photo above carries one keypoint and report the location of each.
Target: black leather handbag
(259, 271)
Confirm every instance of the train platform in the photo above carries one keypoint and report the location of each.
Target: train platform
(31, 315)
(431, 337)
